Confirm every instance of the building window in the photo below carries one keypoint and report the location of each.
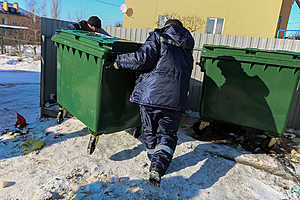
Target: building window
(5, 20)
(214, 25)
(162, 19)
(15, 23)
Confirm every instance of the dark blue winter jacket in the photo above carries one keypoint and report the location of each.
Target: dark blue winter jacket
(165, 63)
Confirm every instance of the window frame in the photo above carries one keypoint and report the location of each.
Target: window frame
(4, 20)
(215, 19)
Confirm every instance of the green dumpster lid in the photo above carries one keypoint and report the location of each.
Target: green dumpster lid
(252, 55)
(92, 43)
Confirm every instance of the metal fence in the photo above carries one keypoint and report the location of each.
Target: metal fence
(48, 80)
(49, 60)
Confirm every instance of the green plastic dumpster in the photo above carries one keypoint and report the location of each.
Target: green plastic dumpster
(249, 87)
(97, 96)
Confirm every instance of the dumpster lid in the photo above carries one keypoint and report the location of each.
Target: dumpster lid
(105, 39)
(253, 55)
(89, 41)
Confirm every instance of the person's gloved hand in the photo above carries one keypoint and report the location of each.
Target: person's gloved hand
(113, 65)
(111, 60)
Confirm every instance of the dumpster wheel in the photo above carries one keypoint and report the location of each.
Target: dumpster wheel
(61, 115)
(92, 142)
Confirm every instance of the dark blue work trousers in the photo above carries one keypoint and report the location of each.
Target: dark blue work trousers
(160, 128)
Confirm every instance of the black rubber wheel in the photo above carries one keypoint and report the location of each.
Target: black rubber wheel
(92, 143)
(60, 117)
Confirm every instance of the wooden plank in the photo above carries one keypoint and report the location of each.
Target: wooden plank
(217, 39)
(254, 42)
(288, 45)
(127, 33)
(262, 43)
(270, 43)
(297, 46)
(239, 41)
(246, 42)
(279, 44)
(133, 34)
(112, 31)
(210, 39)
(144, 34)
(122, 33)
(293, 47)
(117, 32)
(138, 35)
(231, 41)
(224, 39)
(203, 40)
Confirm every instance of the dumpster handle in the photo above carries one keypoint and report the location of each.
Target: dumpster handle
(252, 51)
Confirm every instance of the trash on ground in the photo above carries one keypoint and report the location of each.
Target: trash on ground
(12, 62)
(21, 122)
(297, 191)
(285, 149)
(4, 184)
(272, 142)
(31, 145)
(57, 136)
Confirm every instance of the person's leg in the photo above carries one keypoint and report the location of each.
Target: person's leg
(149, 129)
(168, 124)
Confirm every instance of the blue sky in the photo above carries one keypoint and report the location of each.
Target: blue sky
(294, 22)
(109, 11)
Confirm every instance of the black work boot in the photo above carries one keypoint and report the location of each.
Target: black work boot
(154, 178)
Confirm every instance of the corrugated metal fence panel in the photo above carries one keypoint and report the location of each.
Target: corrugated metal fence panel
(48, 67)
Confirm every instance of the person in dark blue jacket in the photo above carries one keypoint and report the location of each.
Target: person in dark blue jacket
(165, 64)
(93, 24)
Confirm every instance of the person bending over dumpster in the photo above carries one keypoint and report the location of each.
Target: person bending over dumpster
(165, 63)
(93, 24)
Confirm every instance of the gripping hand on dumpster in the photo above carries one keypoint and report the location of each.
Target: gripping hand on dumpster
(111, 64)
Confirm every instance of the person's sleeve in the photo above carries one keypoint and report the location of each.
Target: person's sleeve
(145, 58)
(73, 26)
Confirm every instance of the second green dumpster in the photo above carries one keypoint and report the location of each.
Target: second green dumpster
(249, 87)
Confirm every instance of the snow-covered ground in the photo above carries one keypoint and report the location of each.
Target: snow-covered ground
(118, 169)
(26, 63)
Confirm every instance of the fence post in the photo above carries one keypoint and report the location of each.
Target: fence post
(19, 45)
(2, 45)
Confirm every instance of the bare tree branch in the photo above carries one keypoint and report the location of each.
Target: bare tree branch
(55, 8)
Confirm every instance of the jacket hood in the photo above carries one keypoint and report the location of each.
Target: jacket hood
(178, 36)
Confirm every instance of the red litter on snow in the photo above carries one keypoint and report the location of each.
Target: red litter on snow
(57, 136)
(21, 122)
